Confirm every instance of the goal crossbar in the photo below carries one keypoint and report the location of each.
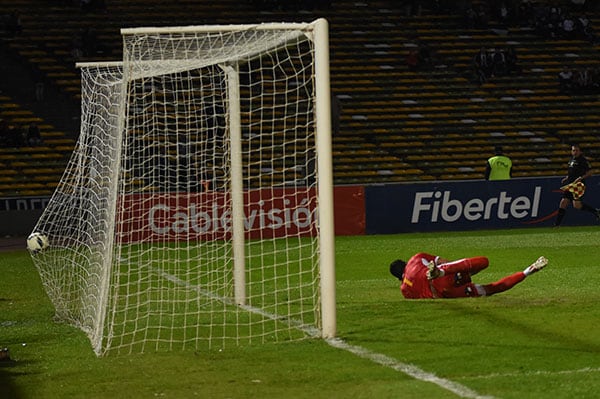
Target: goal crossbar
(220, 28)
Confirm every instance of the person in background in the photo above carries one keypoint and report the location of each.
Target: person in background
(4, 133)
(565, 80)
(426, 276)
(498, 167)
(574, 185)
(34, 136)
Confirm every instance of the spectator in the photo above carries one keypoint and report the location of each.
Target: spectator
(482, 17)
(77, 47)
(595, 79)
(420, 57)
(483, 65)
(548, 22)
(34, 136)
(582, 79)
(14, 25)
(568, 26)
(470, 17)
(565, 80)
(512, 61)
(503, 14)
(584, 30)
(4, 132)
(582, 26)
(412, 60)
(525, 14)
(498, 63)
(555, 16)
(39, 85)
(425, 55)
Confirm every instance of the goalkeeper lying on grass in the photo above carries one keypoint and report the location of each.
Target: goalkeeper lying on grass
(429, 276)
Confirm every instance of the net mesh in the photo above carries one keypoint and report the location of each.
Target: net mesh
(141, 252)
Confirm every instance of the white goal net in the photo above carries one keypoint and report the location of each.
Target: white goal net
(197, 208)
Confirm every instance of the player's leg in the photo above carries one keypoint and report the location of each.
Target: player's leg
(582, 206)
(466, 265)
(503, 284)
(562, 208)
(463, 291)
(508, 282)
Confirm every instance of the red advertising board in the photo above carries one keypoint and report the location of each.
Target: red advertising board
(207, 216)
(349, 210)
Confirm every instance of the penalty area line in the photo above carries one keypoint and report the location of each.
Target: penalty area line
(408, 369)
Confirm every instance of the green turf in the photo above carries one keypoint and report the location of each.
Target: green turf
(537, 340)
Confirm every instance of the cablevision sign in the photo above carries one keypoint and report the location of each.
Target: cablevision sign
(208, 216)
(468, 205)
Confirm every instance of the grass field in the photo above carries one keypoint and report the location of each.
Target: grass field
(538, 340)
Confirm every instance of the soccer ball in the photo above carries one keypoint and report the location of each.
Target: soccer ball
(37, 242)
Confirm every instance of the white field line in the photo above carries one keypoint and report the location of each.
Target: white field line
(381, 359)
(530, 373)
(408, 369)
(308, 329)
(452, 386)
(422, 375)
(378, 358)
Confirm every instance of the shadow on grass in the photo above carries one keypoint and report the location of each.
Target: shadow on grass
(7, 387)
(424, 314)
(536, 333)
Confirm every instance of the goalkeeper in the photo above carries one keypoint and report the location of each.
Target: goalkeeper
(574, 185)
(429, 276)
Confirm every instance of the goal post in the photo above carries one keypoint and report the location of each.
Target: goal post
(325, 181)
(197, 208)
(237, 185)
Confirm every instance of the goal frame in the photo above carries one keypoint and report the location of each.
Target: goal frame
(230, 68)
(319, 32)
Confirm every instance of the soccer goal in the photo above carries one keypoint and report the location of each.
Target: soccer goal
(197, 208)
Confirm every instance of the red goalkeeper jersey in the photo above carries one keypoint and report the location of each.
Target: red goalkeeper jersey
(416, 285)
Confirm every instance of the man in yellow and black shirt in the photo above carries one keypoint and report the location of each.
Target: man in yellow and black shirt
(499, 167)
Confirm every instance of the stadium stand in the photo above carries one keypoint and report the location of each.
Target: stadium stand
(26, 168)
(399, 123)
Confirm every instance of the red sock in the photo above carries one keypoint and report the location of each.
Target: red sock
(504, 284)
